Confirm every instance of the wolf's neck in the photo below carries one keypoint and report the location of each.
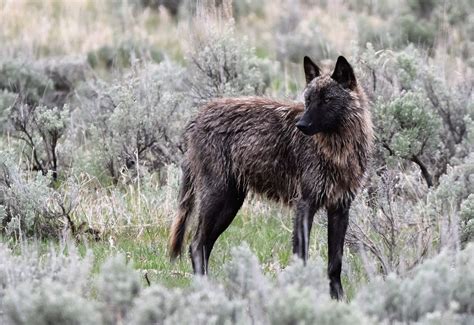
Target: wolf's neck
(351, 145)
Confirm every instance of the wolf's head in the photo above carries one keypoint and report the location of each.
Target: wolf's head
(328, 98)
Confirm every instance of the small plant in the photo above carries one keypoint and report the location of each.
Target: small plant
(221, 65)
(438, 285)
(40, 128)
(50, 303)
(295, 39)
(408, 129)
(418, 116)
(26, 80)
(30, 207)
(135, 121)
(118, 285)
(123, 55)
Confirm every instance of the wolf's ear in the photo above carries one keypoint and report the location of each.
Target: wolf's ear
(344, 74)
(311, 70)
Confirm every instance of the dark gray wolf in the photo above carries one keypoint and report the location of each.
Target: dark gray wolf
(309, 156)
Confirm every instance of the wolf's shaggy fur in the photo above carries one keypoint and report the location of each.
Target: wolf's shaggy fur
(234, 145)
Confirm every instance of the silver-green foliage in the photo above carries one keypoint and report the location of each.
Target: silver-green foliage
(29, 206)
(295, 38)
(406, 125)
(443, 284)
(118, 285)
(134, 121)
(60, 287)
(419, 115)
(49, 303)
(25, 79)
(41, 128)
(453, 198)
(223, 65)
(45, 288)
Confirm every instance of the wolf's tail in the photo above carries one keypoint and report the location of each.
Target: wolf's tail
(185, 209)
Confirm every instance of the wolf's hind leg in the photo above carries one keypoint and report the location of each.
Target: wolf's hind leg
(218, 207)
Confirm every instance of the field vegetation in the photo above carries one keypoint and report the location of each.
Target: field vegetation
(94, 96)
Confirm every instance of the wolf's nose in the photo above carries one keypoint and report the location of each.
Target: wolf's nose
(302, 126)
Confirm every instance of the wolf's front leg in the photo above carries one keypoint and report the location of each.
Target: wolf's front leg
(305, 210)
(338, 219)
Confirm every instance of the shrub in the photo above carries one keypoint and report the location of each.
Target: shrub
(50, 303)
(207, 303)
(374, 31)
(29, 265)
(40, 128)
(34, 107)
(408, 129)
(452, 199)
(243, 8)
(221, 65)
(467, 219)
(44, 82)
(406, 83)
(118, 285)
(244, 280)
(292, 305)
(443, 284)
(25, 79)
(390, 228)
(171, 5)
(295, 39)
(56, 288)
(154, 305)
(422, 8)
(30, 206)
(45, 287)
(7, 100)
(410, 29)
(135, 121)
(123, 55)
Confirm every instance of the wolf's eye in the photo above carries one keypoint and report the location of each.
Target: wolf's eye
(327, 100)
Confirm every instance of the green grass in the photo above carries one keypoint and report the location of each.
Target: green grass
(269, 237)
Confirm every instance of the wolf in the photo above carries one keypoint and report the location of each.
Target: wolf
(310, 156)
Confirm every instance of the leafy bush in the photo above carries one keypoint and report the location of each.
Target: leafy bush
(45, 289)
(453, 200)
(406, 88)
(443, 284)
(123, 55)
(390, 228)
(50, 303)
(26, 79)
(34, 107)
(467, 219)
(407, 128)
(118, 285)
(221, 65)
(40, 128)
(7, 100)
(295, 38)
(30, 207)
(135, 121)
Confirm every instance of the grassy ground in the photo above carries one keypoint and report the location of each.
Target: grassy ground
(268, 236)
